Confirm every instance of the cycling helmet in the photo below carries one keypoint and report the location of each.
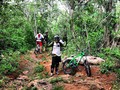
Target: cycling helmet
(46, 31)
(56, 37)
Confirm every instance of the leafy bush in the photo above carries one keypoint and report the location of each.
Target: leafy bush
(107, 66)
(9, 63)
(111, 56)
(55, 80)
(29, 38)
(118, 73)
(40, 76)
(3, 80)
(46, 75)
(23, 49)
(115, 52)
(58, 88)
(116, 86)
(39, 68)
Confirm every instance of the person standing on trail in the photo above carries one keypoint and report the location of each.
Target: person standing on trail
(39, 40)
(56, 54)
(46, 40)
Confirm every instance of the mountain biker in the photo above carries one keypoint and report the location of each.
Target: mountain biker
(39, 40)
(46, 40)
(56, 54)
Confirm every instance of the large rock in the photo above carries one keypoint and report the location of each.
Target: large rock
(95, 60)
(90, 59)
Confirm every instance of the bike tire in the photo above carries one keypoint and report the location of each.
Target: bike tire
(35, 52)
(68, 69)
(87, 68)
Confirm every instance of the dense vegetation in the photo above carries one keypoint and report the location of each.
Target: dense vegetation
(87, 23)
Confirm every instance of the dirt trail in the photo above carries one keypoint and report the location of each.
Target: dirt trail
(79, 81)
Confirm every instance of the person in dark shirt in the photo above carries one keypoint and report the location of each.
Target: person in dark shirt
(46, 40)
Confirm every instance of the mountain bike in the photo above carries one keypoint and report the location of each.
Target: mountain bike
(37, 49)
(70, 64)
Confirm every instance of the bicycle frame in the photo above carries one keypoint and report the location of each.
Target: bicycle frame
(70, 65)
(74, 59)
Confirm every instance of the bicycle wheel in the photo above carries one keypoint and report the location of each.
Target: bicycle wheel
(87, 68)
(67, 68)
(35, 52)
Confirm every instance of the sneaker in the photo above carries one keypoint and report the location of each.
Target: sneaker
(57, 73)
(51, 74)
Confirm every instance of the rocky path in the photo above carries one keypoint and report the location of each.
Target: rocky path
(79, 81)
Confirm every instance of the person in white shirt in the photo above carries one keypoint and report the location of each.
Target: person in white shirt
(39, 40)
(56, 54)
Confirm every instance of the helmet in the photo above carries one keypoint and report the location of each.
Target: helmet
(46, 31)
(56, 37)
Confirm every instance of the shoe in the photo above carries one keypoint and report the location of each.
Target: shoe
(57, 73)
(51, 74)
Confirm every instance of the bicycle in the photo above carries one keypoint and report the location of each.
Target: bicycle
(70, 65)
(37, 50)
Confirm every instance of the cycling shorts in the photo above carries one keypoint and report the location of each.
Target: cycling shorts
(39, 43)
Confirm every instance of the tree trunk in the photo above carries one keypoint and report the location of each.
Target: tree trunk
(35, 27)
(108, 30)
(116, 39)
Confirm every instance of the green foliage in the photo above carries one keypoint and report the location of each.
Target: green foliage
(116, 85)
(31, 88)
(16, 30)
(107, 66)
(3, 80)
(57, 79)
(40, 75)
(115, 52)
(111, 56)
(47, 75)
(39, 68)
(117, 70)
(23, 49)
(9, 63)
(58, 88)
(29, 36)
(95, 39)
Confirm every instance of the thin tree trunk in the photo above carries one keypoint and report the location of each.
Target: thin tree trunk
(107, 33)
(88, 43)
(35, 28)
(116, 38)
(72, 5)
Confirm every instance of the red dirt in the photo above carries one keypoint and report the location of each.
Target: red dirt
(100, 80)
(80, 80)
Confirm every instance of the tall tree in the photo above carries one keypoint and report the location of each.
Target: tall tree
(111, 25)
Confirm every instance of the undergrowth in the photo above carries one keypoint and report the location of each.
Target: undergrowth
(9, 62)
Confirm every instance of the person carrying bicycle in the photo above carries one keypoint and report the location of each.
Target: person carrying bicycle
(56, 54)
(39, 40)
